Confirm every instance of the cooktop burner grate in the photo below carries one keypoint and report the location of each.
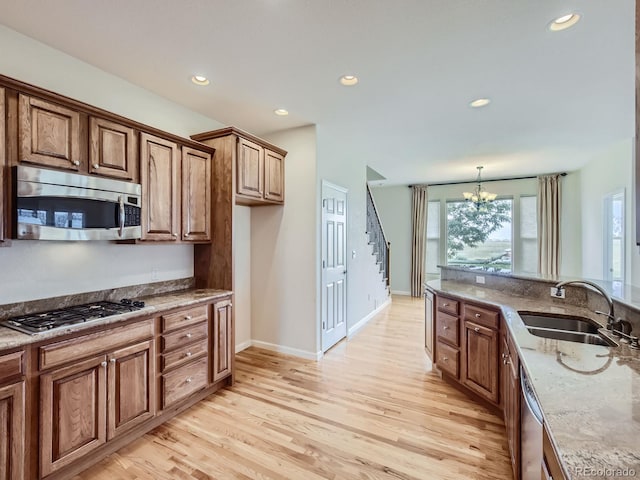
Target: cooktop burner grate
(35, 323)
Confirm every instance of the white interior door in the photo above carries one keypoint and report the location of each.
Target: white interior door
(334, 267)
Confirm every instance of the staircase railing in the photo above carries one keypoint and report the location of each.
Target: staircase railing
(377, 238)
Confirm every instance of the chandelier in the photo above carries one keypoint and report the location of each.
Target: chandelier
(479, 196)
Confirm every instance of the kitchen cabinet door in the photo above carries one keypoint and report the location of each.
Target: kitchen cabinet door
(72, 413)
(112, 150)
(273, 176)
(3, 185)
(12, 441)
(250, 170)
(160, 177)
(510, 388)
(222, 339)
(196, 195)
(49, 134)
(480, 365)
(131, 396)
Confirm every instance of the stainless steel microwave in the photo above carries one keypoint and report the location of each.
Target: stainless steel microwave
(54, 205)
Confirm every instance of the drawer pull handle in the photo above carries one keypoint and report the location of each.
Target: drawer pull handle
(446, 327)
(477, 315)
(445, 304)
(188, 335)
(188, 380)
(188, 317)
(188, 354)
(104, 364)
(476, 329)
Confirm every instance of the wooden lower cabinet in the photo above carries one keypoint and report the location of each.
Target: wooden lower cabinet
(12, 438)
(480, 370)
(222, 339)
(73, 414)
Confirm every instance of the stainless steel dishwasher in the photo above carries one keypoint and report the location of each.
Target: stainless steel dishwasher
(530, 430)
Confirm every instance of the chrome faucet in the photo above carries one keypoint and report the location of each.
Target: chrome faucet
(611, 317)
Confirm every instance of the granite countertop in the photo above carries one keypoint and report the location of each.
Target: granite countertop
(153, 304)
(589, 394)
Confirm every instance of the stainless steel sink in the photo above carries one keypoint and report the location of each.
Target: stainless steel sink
(572, 329)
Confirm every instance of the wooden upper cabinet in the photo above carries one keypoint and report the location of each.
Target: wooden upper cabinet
(273, 176)
(196, 195)
(250, 171)
(252, 167)
(3, 167)
(160, 176)
(112, 149)
(12, 432)
(49, 134)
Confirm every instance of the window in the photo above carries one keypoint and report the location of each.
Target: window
(433, 237)
(614, 256)
(528, 251)
(480, 237)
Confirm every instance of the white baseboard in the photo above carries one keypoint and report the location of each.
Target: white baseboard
(287, 350)
(243, 346)
(400, 292)
(364, 321)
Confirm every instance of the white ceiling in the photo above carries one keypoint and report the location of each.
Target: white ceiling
(558, 97)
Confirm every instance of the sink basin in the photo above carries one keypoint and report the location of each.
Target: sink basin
(572, 329)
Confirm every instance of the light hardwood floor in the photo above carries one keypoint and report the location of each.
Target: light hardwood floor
(370, 409)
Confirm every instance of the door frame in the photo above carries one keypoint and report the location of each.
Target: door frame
(323, 184)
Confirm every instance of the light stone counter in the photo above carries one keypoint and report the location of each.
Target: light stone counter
(589, 394)
(154, 304)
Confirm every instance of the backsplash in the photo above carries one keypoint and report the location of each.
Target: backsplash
(112, 295)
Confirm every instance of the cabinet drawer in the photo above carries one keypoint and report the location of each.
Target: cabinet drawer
(447, 328)
(185, 336)
(79, 347)
(482, 316)
(184, 354)
(180, 319)
(11, 365)
(184, 381)
(447, 359)
(447, 305)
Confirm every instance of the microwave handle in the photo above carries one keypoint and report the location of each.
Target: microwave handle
(121, 203)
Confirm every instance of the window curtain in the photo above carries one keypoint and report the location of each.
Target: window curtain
(549, 224)
(419, 238)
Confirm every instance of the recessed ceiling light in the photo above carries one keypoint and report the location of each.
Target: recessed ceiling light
(281, 111)
(480, 102)
(348, 80)
(564, 22)
(200, 80)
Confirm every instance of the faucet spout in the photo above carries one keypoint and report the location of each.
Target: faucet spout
(600, 290)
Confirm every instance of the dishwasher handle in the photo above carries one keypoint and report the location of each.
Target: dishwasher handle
(529, 396)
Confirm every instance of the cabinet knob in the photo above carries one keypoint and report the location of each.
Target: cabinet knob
(188, 354)
(506, 361)
(174, 235)
(504, 355)
(188, 335)
(445, 359)
(476, 329)
(76, 162)
(477, 315)
(104, 364)
(96, 166)
(188, 380)
(446, 327)
(187, 317)
(113, 360)
(445, 304)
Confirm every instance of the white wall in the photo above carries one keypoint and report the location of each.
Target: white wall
(95, 265)
(284, 252)
(394, 204)
(394, 208)
(242, 275)
(607, 172)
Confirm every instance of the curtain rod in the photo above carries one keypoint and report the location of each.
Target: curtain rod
(563, 174)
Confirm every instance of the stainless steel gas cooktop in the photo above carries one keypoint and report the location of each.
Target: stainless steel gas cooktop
(35, 323)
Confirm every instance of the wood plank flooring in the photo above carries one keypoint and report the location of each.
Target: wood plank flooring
(370, 409)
